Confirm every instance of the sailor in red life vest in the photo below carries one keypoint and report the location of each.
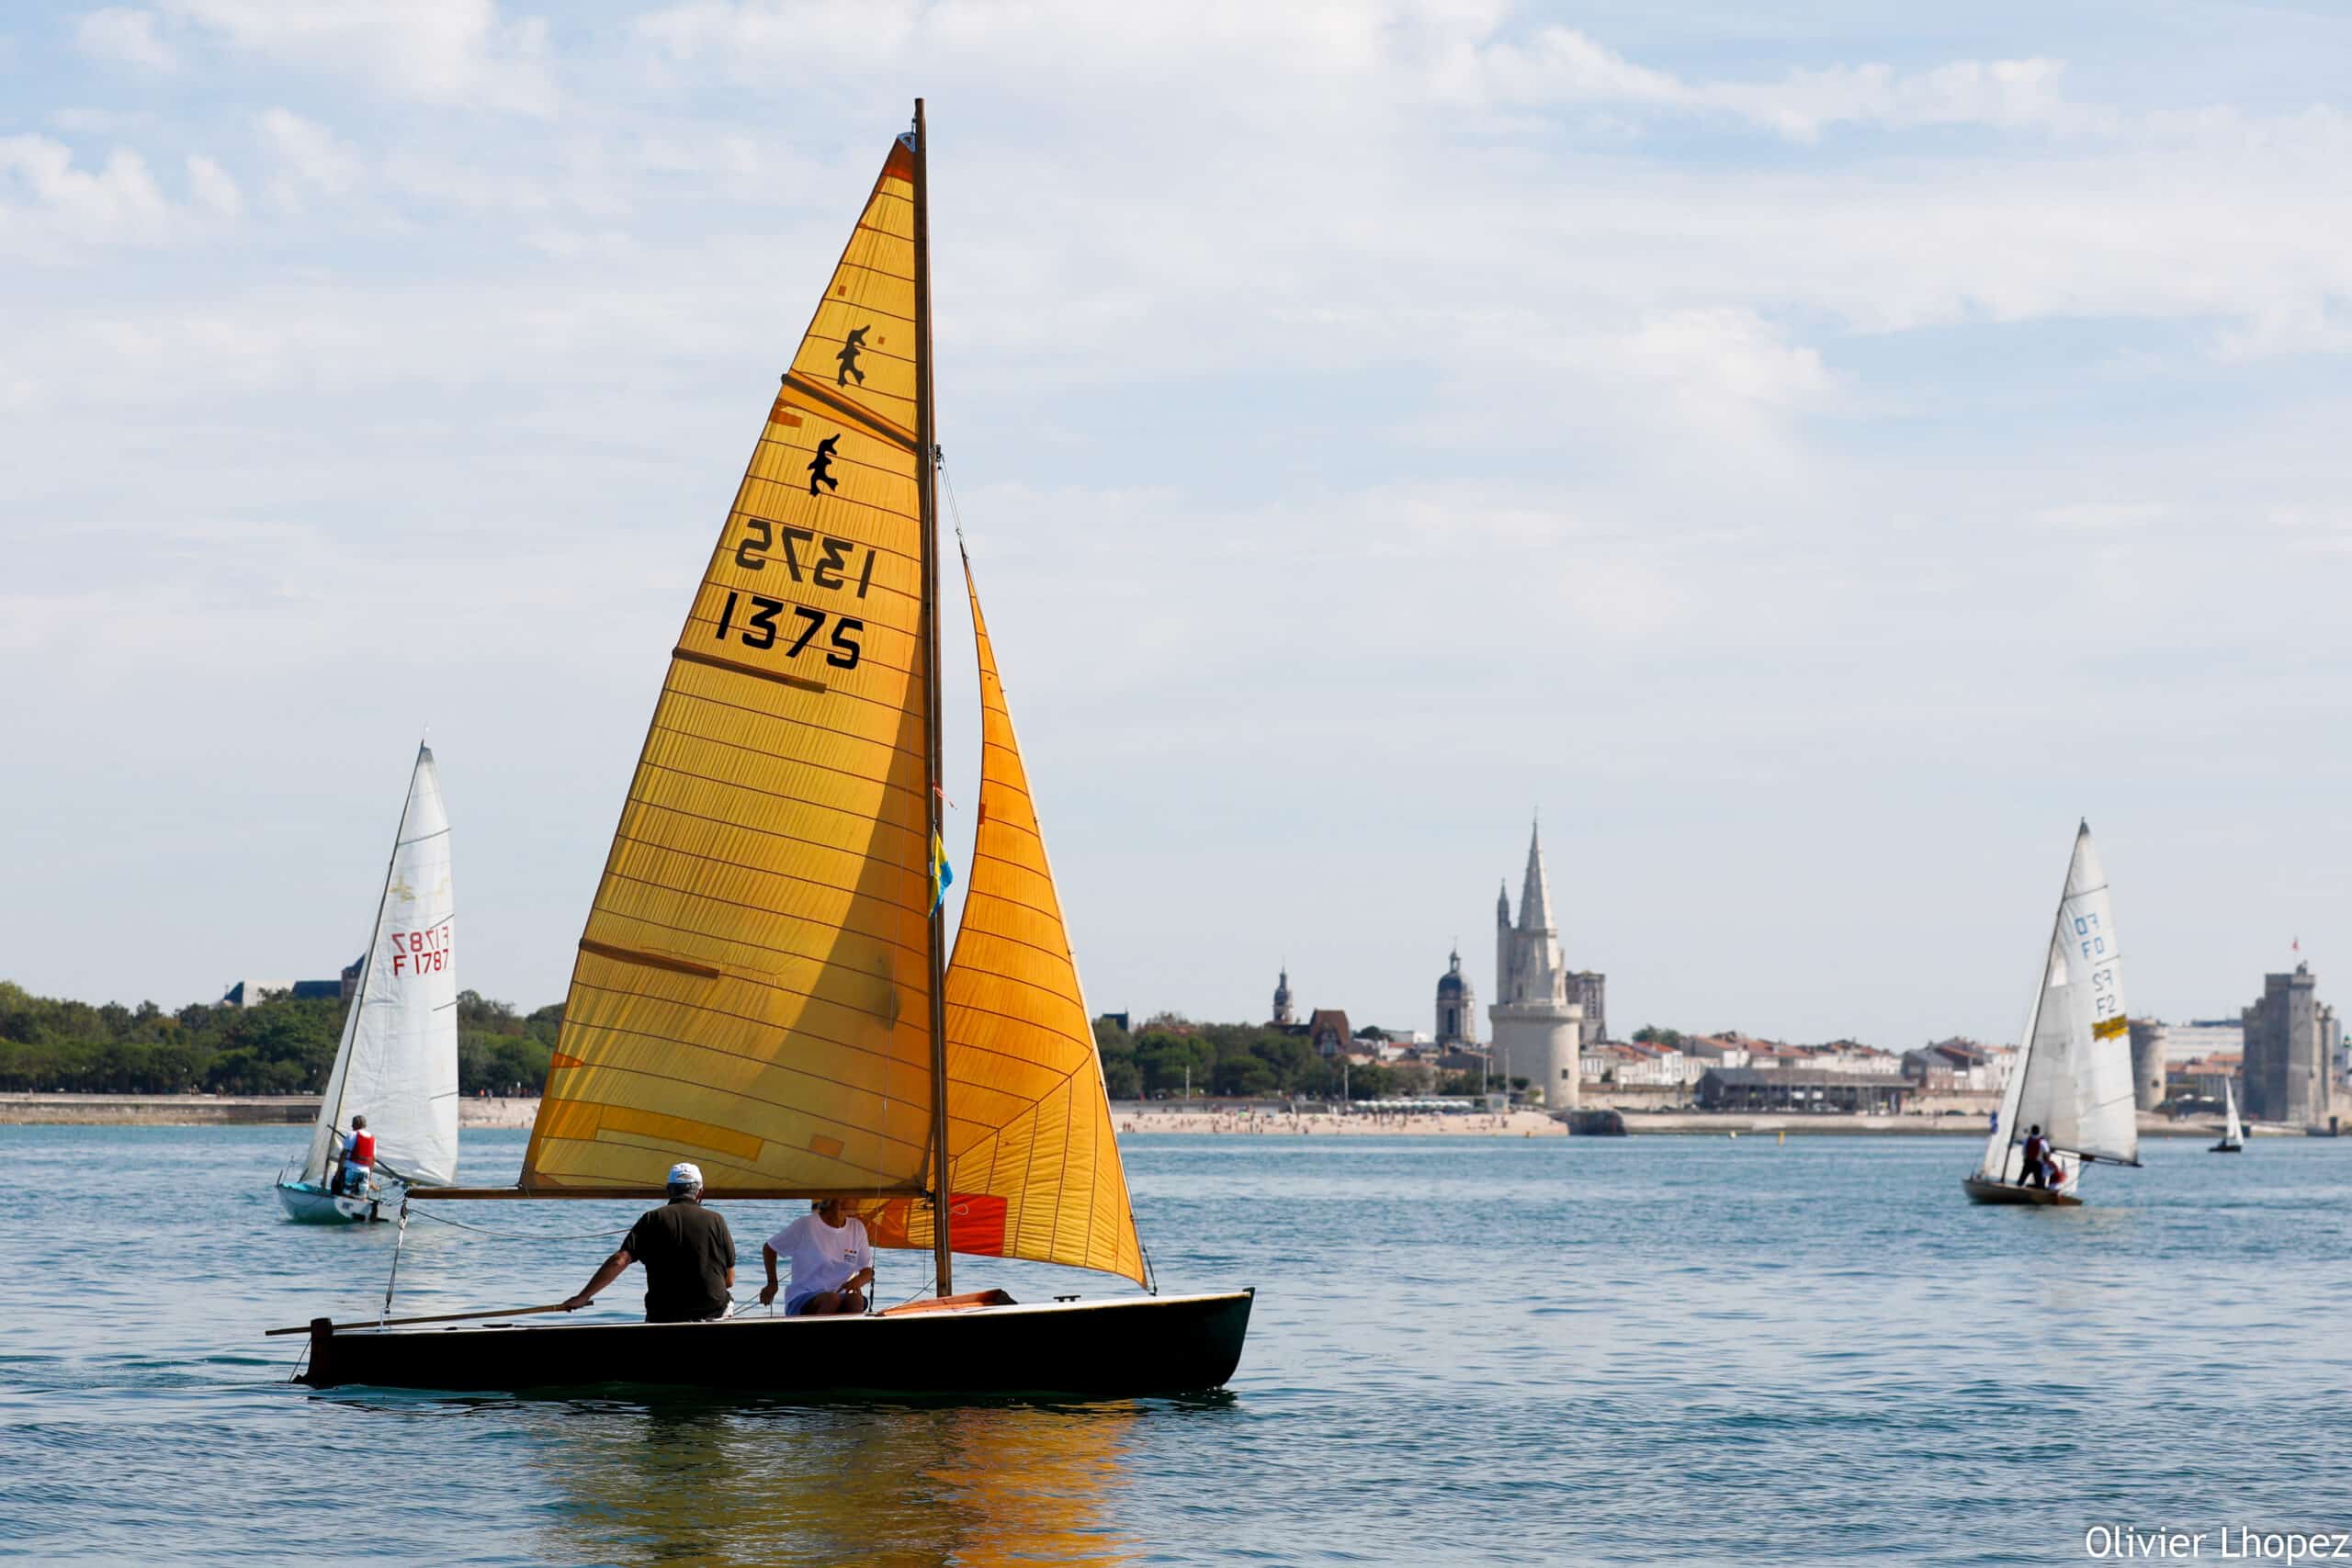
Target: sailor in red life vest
(358, 1158)
(2037, 1160)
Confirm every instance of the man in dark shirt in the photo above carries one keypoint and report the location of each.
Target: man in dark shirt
(2037, 1160)
(688, 1253)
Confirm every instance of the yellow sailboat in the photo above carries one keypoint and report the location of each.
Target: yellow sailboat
(762, 985)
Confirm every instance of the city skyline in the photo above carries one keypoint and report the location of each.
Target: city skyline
(1815, 461)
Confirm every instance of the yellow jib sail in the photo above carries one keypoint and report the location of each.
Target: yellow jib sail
(1033, 1163)
(752, 989)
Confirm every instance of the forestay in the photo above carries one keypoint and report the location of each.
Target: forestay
(397, 1065)
(752, 990)
(2074, 1075)
(1033, 1161)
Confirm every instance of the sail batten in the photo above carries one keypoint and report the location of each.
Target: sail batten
(752, 989)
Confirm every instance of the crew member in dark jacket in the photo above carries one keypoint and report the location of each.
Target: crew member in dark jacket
(688, 1253)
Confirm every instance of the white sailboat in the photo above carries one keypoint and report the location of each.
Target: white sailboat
(2232, 1133)
(2072, 1077)
(397, 1065)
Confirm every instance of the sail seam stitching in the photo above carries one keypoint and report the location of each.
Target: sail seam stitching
(890, 746)
(854, 891)
(746, 942)
(796, 1033)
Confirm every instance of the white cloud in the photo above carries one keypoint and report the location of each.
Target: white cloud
(61, 204)
(312, 157)
(462, 52)
(211, 186)
(1563, 66)
(125, 38)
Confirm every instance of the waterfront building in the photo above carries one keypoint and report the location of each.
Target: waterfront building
(1327, 1031)
(1957, 1066)
(2204, 1078)
(250, 993)
(1717, 1050)
(1589, 990)
(2292, 1040)
(1636, 1064)
(2203, 1037)
(1456, 1059)
(1457, 1005)
(1538, 1029)
(1285, 1016)
(1801, 1089)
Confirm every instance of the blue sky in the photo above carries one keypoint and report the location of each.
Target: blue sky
(1812, 458)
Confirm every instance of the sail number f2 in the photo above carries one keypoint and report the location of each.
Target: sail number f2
(760, 629)
(2106, 1007)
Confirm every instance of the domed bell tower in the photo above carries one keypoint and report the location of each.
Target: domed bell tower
(1457, 1005)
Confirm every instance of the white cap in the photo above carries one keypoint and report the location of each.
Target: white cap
(684, 1174)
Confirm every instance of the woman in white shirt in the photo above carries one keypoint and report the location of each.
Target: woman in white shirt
(830, 1259)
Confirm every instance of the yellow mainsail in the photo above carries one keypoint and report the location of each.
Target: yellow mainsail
(1033, 1163)
(752, 990)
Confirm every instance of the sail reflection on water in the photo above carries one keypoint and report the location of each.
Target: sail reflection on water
(696, 1482)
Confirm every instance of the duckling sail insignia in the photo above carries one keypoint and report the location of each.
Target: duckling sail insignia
(752, 989)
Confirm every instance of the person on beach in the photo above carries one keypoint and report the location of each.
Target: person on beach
(688, 1253)
(358, 1159)
(830, 1259)
(2037, 1160)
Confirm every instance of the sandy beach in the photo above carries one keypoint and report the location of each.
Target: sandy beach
(1516, 1124)
(1130, 1119)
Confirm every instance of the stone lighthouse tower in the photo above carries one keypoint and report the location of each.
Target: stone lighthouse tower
(1539, 1033)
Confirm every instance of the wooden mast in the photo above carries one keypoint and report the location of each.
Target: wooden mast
(927, 453)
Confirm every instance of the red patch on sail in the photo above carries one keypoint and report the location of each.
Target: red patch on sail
(975, 1224)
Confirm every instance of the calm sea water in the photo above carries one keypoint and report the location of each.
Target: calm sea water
(1583, 1351)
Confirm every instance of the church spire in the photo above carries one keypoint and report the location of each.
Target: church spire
(1536, 896)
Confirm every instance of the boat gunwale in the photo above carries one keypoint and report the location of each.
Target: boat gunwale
(1008, 1308)
(1976, 1185)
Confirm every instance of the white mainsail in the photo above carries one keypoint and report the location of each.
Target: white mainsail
(2073, 1075)
(397, 1062)
(2232, 1132)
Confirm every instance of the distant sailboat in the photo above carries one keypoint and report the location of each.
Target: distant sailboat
(397, 1065)
(2073, 1075)
(763, 985)
(2233, 1135)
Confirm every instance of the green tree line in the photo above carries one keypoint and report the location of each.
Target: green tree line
(1245, 1060)
(279, 1045)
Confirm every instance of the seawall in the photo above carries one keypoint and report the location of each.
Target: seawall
(217, 1110)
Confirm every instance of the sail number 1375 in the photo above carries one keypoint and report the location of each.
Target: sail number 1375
(758, 627)
(808, 557)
